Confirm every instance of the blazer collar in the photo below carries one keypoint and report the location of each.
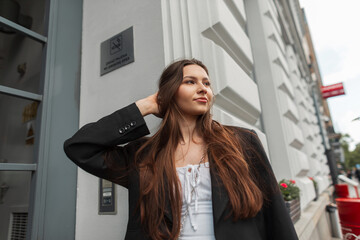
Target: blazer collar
(219, 196)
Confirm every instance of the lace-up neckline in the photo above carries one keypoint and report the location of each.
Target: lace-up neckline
(191, 177)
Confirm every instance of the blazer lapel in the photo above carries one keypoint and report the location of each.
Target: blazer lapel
(168, 213)
(219, 195)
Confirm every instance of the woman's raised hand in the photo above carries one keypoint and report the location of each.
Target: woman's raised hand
(148, 105)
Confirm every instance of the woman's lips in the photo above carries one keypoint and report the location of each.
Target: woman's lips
(204, 100)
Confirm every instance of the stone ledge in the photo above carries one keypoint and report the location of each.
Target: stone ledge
(311, 214)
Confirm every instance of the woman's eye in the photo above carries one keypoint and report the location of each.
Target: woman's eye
(189, 82)
(207, 84)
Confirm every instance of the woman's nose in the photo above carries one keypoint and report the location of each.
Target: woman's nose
(202, 89)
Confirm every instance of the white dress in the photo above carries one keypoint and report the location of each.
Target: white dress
(198, 224)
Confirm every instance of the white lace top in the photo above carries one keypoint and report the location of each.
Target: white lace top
(198, 224)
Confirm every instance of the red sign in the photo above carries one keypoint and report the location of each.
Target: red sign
(332, 90)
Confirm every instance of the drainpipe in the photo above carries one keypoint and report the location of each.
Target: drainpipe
(328, 151)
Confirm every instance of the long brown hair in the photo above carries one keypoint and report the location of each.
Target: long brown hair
(159, 184)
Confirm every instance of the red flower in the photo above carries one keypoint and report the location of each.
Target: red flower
(311, 178)
(292, 181)
(284, 185)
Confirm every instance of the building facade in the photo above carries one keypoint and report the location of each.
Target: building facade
(258, 53)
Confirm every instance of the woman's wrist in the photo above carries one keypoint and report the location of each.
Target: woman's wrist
(143, 106)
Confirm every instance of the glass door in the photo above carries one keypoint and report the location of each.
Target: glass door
(23, 40)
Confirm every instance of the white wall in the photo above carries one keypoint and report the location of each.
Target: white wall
(288, 113)
(214, 32)
(275, 89)
(102, 95)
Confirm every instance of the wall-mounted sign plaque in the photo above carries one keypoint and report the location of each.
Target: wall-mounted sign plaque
(117, 51)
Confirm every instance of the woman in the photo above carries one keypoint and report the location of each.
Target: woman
(194, 178)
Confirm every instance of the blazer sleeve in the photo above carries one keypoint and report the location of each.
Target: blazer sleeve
(277, 220)
(94, 147)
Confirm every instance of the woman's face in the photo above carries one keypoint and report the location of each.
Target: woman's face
(194, 96)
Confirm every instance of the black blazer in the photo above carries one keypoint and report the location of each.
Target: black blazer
(95, 141)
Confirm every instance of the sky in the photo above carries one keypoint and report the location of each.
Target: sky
(334, 28)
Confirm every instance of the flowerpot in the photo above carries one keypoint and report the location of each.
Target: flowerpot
(294, 210)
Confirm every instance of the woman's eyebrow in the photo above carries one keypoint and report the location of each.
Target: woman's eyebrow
(192, 77)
